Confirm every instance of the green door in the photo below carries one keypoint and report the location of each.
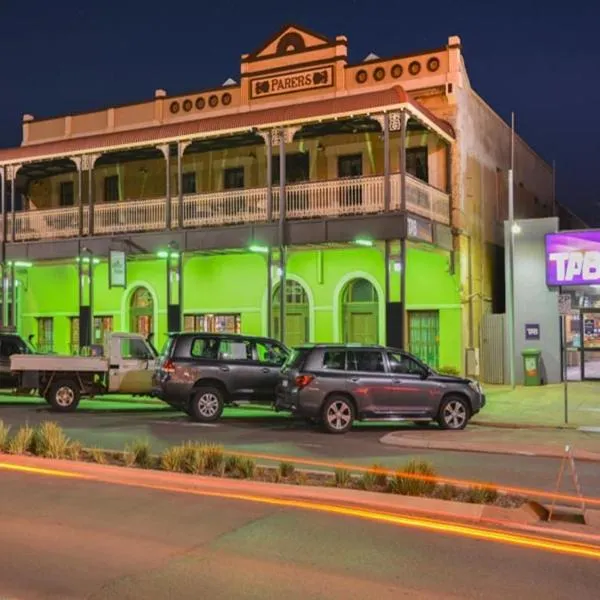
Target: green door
(296, 314)
(424, 335)
(362, 327)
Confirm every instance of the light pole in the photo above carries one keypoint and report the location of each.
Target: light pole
(513, 228)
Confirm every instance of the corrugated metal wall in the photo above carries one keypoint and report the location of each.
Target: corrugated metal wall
(492, 348)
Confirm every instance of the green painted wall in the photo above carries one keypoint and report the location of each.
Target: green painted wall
(237, 283)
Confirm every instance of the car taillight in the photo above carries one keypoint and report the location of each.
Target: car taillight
(168, 367)
(303, 380)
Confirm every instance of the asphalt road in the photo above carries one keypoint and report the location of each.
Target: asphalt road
(66, 539)
(279, 435)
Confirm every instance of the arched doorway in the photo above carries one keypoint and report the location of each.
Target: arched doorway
(141, 311)
(360, 310)
(296, 313)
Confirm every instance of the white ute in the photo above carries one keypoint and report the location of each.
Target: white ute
(126, 367)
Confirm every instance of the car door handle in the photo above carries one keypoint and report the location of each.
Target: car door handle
(224, 368)
(354, 379)
(266, 370)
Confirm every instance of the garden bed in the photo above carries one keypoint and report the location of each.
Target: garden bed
(416, 478)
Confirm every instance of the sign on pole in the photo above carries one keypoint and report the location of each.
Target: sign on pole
(117, 269)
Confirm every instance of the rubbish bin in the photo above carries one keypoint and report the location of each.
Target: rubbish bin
(531, 366)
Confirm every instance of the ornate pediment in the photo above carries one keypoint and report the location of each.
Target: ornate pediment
(289, 40)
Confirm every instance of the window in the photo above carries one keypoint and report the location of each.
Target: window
(211, 323)
(334, 360)
(270, 354)
(102, 327)
(67, 193)
(136, 349)
(404, 365)
(188, 183)
(111, 188)
(233, 178)
(205, 348)
(367, 361)
(416, 163)
(45, 334)
(350, 165)
(235, 350)
(297, 167)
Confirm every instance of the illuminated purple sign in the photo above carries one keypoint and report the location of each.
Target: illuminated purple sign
(573, 258)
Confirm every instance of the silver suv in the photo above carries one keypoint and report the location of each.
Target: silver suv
(338, 384)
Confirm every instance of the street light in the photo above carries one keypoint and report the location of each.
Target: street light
(363, 242)
(516, 228)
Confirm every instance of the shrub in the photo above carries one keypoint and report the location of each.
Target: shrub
(240, 466)
(417, 478)
(194, 460)
(172, 459)
(74, 451)
(97, 456)
(4, 433)
(231, 464)
(139, 454)
(247, 468)
(481, 495)
(446, 492)
(286, 469)
(22, 441)
(448, 370)
(374, 478)
(300, 478)
(214, 457)
(342, 478)
(50, 441)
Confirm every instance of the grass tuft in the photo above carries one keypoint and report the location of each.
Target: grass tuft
(286, 469)
(481, 495)
(22, 441)
(4, 435)
(141, 453)
(98, 456)
(194, 458)
(343, 478)
(417, 478)
(172, 459)
(50, 441)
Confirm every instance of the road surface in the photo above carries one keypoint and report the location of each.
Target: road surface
(66, 539)
(280, 435)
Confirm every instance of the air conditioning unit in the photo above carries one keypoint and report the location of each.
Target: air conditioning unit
(472, 362)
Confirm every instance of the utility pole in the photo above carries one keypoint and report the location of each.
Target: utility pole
(511, 257)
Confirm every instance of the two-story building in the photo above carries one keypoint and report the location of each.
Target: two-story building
(374, 190)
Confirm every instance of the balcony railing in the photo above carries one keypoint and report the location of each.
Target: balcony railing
(352, 196)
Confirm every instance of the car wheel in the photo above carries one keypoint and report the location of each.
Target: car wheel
(64, 396)
(207, 405)
(454, 413)
(338, 414)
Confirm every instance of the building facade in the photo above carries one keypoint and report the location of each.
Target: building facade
(375, 191)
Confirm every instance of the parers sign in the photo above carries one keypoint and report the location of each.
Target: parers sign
(573, 258)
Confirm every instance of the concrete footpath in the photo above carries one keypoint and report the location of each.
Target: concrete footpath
(549, 442)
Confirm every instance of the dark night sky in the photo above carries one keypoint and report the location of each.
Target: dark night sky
(539, 59)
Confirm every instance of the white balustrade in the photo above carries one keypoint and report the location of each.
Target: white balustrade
(354, 195)
(225, 208)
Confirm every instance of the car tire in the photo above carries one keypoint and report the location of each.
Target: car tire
(454, 413)
(338, 414)
(207, 404)
(64, 396)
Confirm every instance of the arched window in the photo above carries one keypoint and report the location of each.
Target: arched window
(141, 310)
(296, 313)
(360, 312)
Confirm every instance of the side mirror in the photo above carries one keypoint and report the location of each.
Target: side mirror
(425, 374)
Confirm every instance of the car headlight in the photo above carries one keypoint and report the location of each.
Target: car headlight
(476, 386)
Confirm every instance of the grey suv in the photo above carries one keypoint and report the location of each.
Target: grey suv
(337, 384)
(200, 373)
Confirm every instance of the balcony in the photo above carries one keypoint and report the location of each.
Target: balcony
(310, 200)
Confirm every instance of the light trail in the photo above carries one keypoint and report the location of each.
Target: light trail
(420, 523)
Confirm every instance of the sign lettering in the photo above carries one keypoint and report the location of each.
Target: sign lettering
(297, 81)
(573, 258)
(419, 229)
(532, 331)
